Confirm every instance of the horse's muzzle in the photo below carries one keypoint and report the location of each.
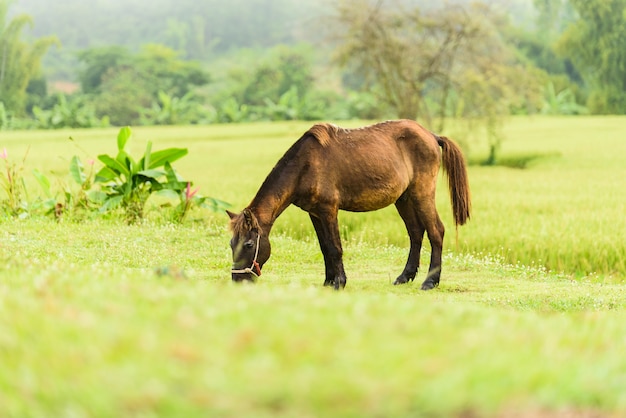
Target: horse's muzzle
(244, 277)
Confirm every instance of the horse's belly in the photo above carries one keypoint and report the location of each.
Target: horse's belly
(371, 196)
(355, 183)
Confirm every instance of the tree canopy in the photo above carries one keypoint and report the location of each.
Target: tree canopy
(596, 44)
(447, 61)
(124, 82)
(19, 60)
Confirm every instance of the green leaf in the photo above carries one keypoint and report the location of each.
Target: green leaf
(147, 156)
(76, 171)
(111, 203)
(43, 181)
(114, 165)
(171, 174)
(105, 175)
(174, 181)
(155, 185)
(97, 196)
(127, 161)
(159, 158)
(123, 137)
(168, 193)
(155, 174)
(127, 188)
(178, 186)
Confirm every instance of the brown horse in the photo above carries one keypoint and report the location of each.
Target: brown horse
(358, 170)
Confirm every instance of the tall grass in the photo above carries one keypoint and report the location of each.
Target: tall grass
(564, 213)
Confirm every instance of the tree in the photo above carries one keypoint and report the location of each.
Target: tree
(277, 86)
(123, 85)
(124, 94)
(19, 61)
(286, 68)
(98, 62)
(549, 17)
(596, 44)
(168, 72)
(537, 42)
(445, 61)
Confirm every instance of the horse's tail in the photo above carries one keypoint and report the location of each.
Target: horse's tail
(454, 164)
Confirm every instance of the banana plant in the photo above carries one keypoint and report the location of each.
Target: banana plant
(129, 183)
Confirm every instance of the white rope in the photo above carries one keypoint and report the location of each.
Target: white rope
(250, 270)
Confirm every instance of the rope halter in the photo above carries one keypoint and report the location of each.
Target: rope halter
(254, 268)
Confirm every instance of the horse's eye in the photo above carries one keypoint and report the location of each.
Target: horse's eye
(249, 244)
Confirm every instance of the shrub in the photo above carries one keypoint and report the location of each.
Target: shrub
(13, 184)
(129, 183)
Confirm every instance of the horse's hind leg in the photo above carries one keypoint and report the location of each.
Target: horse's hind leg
(415, 229)
(421, 200)
(428, 215)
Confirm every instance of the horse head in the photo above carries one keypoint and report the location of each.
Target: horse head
(250, 246)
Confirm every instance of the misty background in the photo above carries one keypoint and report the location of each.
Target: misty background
(76, 63)
(203, 30)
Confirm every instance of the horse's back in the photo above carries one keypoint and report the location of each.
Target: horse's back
(385, 146)
(367, 168)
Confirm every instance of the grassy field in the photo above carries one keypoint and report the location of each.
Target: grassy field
(99, 319)
(564, 213)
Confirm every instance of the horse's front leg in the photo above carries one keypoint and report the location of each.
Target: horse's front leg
(323, 241)
(327, 229)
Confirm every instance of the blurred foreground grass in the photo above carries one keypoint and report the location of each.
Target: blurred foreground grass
(99, 320)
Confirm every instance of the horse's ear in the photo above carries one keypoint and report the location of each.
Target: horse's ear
(230, 214)
(250, 219)
(248, 216)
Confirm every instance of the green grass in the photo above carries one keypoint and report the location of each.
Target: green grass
(90, 327)
(87, 328)
(565, 213)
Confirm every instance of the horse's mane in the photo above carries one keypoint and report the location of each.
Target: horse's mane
(327, 132)
(324, 132)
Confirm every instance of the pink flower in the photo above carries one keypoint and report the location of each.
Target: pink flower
(91, 161)
(189, 194)
(4, 154)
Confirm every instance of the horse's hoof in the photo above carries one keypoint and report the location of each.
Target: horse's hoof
(428, 285)
(402, 280)
(339, 284)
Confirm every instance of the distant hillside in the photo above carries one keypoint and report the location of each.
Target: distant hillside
(197, 28)
(200, 29)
